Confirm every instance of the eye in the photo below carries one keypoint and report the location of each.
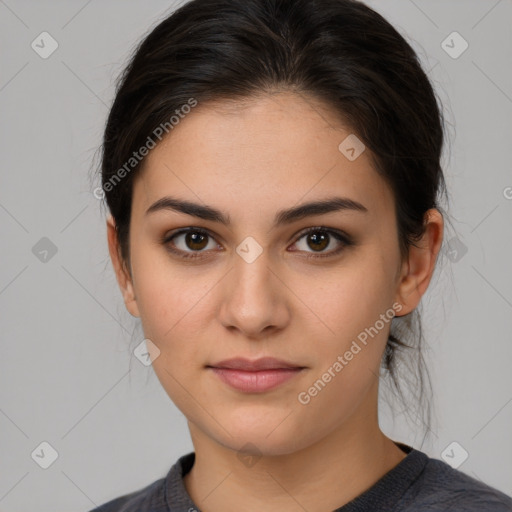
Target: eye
(193, 242)
(195, 239)
(320, 238)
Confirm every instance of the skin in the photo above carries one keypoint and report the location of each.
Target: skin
(251, 160)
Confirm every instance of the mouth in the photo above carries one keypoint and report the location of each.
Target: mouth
(255, 376)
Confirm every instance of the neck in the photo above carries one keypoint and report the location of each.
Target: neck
(322, 476)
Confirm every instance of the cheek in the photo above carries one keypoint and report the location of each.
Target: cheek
(173, 311)
(328, 400)
(342, 302)
(351, 334)
(169, 299)
(348, 352)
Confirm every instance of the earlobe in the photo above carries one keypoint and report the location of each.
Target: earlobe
(123, 277)
(420, 264)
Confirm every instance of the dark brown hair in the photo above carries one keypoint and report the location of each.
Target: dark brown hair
(341, 52)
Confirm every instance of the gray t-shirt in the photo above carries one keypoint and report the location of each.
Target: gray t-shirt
(417, 483)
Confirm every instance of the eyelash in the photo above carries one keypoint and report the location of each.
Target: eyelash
(345, 240)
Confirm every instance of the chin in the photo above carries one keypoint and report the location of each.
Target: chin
(272, 437)
(259, 446)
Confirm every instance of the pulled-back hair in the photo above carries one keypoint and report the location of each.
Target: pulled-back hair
(340, 52)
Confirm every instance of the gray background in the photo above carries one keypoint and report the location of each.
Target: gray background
(66, 375)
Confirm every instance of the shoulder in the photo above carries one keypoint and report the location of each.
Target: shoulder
(158, 496)
(148, 499)
(442, 488)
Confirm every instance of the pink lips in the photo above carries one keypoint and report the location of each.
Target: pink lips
(255, 376)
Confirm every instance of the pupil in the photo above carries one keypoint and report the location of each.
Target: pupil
(322, 238)
(192, 238)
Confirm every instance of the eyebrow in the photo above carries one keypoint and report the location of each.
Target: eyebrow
(333, 204)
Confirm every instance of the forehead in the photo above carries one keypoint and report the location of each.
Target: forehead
(257, 155)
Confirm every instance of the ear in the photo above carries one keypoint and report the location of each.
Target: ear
(420, 264)
(123, 276)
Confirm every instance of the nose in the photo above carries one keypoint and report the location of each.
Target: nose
(255, 300)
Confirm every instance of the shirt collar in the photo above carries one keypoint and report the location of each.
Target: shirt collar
(383, 495)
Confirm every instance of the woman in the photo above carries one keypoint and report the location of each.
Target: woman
(272, 170)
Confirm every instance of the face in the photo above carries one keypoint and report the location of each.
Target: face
(261, 285)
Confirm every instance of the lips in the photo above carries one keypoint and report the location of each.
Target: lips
(264, 363)
(255, 376)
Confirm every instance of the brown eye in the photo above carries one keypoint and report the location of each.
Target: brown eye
(318, 239)
(195, 241)
(188, 241)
